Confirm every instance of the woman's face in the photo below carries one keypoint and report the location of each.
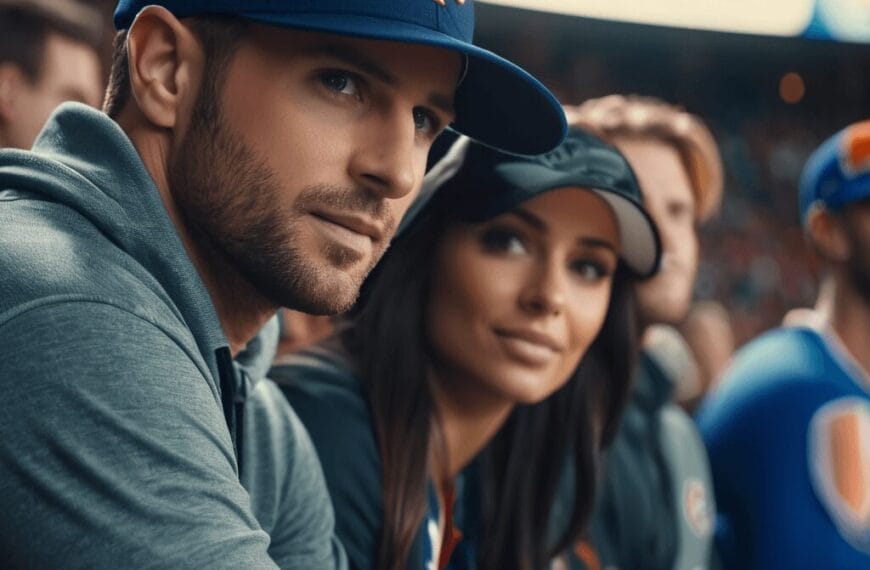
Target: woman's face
(517, 300)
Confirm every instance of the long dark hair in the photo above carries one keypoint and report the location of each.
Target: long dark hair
(387, 341)
(522, 467)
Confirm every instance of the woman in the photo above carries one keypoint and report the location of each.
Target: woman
(468, 337)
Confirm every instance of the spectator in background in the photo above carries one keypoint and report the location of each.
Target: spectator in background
(670, 351)
(708, 334)
(655, 507)
(49, 53)
(788, 429)
(299, 330)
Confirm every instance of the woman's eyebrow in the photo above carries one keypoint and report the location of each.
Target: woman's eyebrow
(540, 225)
(589, 241)
(530, 218)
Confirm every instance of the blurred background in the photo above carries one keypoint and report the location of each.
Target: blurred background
(772, 79)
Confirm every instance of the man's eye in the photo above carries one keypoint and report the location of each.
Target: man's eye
(425, 121)
(341, 82)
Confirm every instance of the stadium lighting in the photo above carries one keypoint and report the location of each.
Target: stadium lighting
(765, 17)
(791, 88)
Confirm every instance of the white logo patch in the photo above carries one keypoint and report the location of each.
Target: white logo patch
(696, 507)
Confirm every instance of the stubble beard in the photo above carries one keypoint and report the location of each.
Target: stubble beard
(859, 270)
(231, 203)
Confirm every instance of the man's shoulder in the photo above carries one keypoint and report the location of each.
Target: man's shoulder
(784, 374)
(51, 255)
(777, 360)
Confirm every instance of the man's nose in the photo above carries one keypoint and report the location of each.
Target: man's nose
(386, 159)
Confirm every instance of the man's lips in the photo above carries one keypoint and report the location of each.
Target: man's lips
(355, 223)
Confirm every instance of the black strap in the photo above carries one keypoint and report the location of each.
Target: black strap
(233, 396)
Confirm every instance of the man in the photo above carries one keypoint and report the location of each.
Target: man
(788, 429)
(48, 55)
(654, 506)
(253, 154)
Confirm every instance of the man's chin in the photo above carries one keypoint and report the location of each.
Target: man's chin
(328, 291)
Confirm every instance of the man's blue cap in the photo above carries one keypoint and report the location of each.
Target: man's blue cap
(838, 172)
(497, 103)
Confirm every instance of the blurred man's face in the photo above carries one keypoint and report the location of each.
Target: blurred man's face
(70, 72)
(668, 197)
(310, 152)
(856, 222)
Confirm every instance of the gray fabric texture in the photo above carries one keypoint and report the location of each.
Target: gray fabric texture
(115, 451)
(279, 460)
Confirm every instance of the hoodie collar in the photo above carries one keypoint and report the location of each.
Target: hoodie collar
(88, 162)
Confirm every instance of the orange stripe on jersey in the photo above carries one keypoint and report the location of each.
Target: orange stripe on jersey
(849, 462)
(585, 552)
(856, 141)
(840, 465)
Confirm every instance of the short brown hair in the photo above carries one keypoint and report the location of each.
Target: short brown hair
(219, 36)
(26, 24)
(647, 117)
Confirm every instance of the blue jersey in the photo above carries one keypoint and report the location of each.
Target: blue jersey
(788, 434)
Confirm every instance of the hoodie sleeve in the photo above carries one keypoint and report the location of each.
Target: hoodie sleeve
(114, 449)
(288, 491)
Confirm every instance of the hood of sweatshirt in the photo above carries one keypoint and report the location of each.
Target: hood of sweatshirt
(84, 161)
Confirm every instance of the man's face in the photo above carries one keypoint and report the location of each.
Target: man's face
(70, 72)
(317, 145)
(856, 223)
(667, 193)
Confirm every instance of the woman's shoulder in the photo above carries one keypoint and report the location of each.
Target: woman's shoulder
(324, 391)
(320, 376)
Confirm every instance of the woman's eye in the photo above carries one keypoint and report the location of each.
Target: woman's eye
(341, 82)
(590, 271)
(504, 241)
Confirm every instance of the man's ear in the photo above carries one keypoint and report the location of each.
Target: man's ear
(165, 61)
(827, 234)
(10, 87)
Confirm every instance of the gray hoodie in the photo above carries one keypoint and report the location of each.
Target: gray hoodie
(117, 384)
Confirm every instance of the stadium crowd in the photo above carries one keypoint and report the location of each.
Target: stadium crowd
(325, 284)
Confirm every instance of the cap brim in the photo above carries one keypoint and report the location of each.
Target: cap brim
(639, 238)
(641, 245)
(497, 103)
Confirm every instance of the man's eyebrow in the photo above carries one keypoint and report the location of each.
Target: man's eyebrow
(368, 65)
(353, 58)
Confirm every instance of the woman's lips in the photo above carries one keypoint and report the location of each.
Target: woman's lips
(528, 346)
